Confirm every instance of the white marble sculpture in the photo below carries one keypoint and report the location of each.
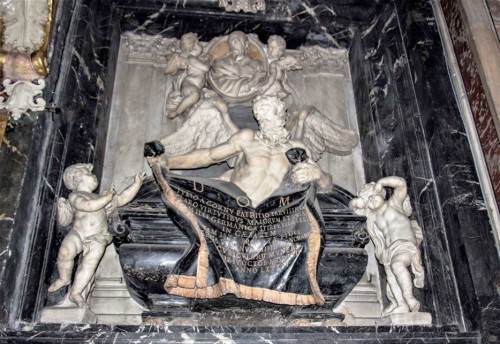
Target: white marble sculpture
(87, 213)
(192, 81)
(22, 96)
(320, 134)
(237, 67)
(396, 238)
(279, 64)
(261, 164)
(238, 74)
(207, 125)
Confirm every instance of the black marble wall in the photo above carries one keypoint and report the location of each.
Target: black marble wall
(41, 146)
(409, 126)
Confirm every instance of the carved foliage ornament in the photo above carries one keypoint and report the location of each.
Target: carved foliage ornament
(23, 96)
(252, 6)
(24, 22)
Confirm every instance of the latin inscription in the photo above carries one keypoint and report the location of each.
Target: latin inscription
(247, 240)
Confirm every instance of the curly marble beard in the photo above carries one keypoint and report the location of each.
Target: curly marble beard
(273, 136)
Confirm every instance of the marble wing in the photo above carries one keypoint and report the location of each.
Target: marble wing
(320, 134)
(207, 125)
(417, 230)
(64, 212)
(175, 62)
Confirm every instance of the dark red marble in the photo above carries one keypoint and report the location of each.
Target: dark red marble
(483, 119)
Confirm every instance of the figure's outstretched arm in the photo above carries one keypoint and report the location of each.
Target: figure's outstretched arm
(204, 157)
(80, 203)
(127, 195)
(399, 186)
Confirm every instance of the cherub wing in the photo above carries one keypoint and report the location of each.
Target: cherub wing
(64, 212)
(408, 209)
(208, 124)
(320, 134)
(207, 47)
(175, 62)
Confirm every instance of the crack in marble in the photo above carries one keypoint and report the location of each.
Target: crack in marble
(151, 18)
(426, 186)
(83, 64)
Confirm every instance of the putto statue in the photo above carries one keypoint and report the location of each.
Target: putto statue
(396, 239)
(87, 213)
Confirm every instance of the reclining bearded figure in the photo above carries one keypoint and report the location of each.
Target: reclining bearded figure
(267, 201)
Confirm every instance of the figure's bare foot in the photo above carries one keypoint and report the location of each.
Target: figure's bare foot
(78, 299)
(389, 309)
(398, 309)
(58, 284)
(413, 304)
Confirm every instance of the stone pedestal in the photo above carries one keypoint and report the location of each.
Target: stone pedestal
(406, 319)
(109, 298)
(361, 307)
(68, 315)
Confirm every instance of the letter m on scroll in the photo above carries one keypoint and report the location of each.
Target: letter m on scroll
(284, 201)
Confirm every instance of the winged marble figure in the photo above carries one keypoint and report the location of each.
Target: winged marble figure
(209, 124)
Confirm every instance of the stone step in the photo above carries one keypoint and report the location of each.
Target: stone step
(119, 319)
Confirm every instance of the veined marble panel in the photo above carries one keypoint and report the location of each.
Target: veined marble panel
(476, 94)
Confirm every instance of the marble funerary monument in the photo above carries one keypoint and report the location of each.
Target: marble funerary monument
(247, 171)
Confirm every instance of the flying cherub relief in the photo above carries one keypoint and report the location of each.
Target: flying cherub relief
(191, 81)
(279, 63)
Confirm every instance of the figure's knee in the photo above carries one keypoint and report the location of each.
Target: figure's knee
(190, 91)
(66, 252)
(93, 257)
(194, 96)
(398, 267)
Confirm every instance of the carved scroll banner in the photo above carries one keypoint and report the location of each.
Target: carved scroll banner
(267, 253)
